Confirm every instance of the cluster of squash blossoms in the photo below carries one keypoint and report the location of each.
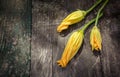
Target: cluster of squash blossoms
(76, 39)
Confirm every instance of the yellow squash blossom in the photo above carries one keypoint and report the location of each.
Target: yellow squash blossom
(72, 18)
(73, 45)
(95, 39)
(76, 17)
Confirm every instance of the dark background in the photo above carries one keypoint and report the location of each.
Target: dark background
(15, 33)
(30, 44)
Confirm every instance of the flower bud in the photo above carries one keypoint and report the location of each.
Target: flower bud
(72, 47)
(72, 18)
(95, 39)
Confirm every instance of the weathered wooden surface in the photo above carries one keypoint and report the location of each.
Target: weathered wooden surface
(18, 50)
(15, 31)
(48, 45)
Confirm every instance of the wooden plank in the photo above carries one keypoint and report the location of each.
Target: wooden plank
(48, 45)
(41, 52)
(15, 31)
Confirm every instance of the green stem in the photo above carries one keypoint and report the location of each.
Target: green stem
(90, 9)
(99, 11)
(90, 22)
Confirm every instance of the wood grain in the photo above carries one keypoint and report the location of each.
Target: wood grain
(30, 44)
(15, 31)
(48, 45)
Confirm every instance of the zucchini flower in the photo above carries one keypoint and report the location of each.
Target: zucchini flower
(95, 36)
(73, 45)
(75, 17)
(72, 18)
(95, 39)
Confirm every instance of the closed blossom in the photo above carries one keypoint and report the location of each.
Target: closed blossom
(95, 39)
(72, 18)
(72, 47)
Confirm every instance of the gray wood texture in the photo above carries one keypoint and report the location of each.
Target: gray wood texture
(48, 45)
(15, 31)
(30, 44)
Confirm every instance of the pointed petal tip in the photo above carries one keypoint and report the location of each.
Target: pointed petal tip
(61, 64)
(60, 28)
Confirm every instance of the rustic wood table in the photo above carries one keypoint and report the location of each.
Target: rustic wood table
(30, 44)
